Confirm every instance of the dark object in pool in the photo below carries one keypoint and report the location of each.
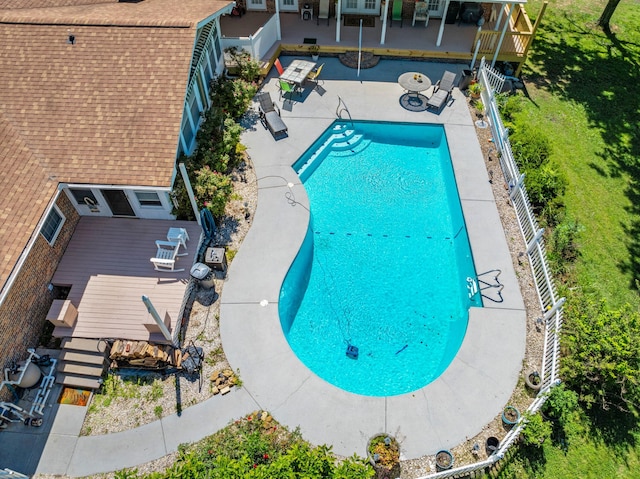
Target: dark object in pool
(352, 352)
(402, 349)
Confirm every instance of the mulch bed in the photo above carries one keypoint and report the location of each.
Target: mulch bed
(350, 59)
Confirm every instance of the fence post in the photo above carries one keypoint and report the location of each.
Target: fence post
(535, 240)
(517, 186)
(554, 309)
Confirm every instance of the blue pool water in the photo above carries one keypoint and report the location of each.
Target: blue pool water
(385, 261)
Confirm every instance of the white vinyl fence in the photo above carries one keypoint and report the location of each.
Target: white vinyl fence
(551, 305)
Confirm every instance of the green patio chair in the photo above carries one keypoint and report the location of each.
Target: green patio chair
(286, 87)
(396, 12)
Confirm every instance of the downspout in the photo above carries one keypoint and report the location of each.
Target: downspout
(533, 36)
(278, 29)
(504, 32)
(441, 31)
(383, 35)
(192, 198)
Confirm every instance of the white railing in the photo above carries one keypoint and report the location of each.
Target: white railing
(551, 313)
(258, 44)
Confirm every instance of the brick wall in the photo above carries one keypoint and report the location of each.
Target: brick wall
(23, 312)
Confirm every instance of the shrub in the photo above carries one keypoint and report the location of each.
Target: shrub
(561, 403)
(531, 147)
(601, 360)
(544, 185)
(536, 430)
(232, 96)
(563, 245)
(248, 69)
(212, 190)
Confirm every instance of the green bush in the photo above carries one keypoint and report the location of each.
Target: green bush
(561, 404)
(212, 190)
(531, 147)
(232, 96)
(256, 447)
(601, 353)
(563, 245)
(248, 69)
(544, 184)
(536, 430)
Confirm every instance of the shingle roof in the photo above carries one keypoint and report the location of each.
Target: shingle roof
(106, 109)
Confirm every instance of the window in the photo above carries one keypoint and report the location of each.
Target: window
(52, 225)
(148, 198)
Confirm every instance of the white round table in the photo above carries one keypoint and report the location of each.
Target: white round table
(414, 82)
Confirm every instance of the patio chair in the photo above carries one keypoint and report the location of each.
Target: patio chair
(442, 91)
(323, 11)
(396, 12)
(286, 87)
(270, 116)
(421, 13)
(313, 76)
(278, 66)
(165, 259)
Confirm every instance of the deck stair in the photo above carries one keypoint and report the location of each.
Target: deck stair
(82, 362)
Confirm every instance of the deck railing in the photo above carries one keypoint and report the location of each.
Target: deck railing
(516, 40)
(551, 313)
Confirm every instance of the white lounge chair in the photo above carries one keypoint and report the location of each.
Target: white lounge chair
(323, 11)
(165, 259)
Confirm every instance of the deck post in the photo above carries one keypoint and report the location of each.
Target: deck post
(533, 36)
(502, 10)
(385, 14)
(338, 8)
(504, 32)
(441, 31)
(278, 29)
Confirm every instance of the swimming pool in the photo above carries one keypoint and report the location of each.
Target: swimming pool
(385, 261)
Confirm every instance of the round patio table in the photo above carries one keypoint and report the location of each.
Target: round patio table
(414, 82)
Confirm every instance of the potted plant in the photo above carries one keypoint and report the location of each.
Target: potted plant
(444, 460)
(510, 416)
(314, 50)
(383, 452)
(475, 89)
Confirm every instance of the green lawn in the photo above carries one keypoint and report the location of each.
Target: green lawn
(582, 86)
(583, 89)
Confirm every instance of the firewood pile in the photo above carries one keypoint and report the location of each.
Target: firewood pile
(145, 355)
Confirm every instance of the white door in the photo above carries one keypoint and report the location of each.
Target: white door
(436, 8)
(288, 5)
(365, 7)
(256, 4)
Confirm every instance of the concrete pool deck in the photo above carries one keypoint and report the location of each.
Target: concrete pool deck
(474, 388)
(470, 393)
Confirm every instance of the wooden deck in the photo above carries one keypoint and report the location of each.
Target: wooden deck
(458, 41)
(107, 266)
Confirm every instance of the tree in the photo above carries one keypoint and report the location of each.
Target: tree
(607, 13)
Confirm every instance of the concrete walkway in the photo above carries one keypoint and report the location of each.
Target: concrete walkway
(470, 393)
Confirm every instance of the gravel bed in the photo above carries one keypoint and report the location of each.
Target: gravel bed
(203, 330)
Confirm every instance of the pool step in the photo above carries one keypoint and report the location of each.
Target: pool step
(343, 141)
